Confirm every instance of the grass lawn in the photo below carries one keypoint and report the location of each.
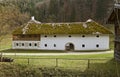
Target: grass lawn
(104, 68)
(69, 61)
(100, 64)
(70, 65)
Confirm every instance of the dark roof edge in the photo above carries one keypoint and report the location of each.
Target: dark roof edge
(116, 6)
(111, 11)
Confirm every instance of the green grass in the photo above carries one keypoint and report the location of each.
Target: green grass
(69, 61)
(109, 68)
(5, 42)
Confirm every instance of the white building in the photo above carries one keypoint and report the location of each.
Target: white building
(87, 35)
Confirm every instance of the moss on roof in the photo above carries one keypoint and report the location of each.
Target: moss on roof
(63, 28)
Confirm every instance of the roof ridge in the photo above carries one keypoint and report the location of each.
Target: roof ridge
(64, 28)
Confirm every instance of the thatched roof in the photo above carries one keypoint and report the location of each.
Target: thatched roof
(88, 27)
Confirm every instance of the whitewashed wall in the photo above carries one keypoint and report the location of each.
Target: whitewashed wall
(90, 42)
(61, 40)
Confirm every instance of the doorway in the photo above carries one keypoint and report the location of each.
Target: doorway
(69, 47)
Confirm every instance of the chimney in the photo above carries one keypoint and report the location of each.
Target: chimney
(32, 18)
(89, 20)
(34, 21)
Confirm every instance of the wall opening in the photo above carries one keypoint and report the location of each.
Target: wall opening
(69, 47)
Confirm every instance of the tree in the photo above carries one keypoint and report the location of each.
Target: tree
(11, 17)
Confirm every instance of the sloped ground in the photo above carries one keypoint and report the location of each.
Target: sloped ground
(108, 69)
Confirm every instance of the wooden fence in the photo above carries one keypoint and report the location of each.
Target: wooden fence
(59, 62)
(71, 63)
(82, 64)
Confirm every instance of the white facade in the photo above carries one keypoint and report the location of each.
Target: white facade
(59, 42)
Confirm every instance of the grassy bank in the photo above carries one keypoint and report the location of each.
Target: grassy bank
(66, 61)
(110, 68)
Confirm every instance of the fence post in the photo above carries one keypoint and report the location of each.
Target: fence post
(117, 69)
(88, 63)
(28, 61)
(15, 54)
(1, 56)
(56, 62)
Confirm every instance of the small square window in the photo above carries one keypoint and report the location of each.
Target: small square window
(70, 36)
(22, 44)
(17, 44)
(35, 44)
(83, 45)
(45, 45)
(54, 35)
(83, 35)
(30, 44)
(97, 45)
(54, 45)
(97, 36)
(45, 35)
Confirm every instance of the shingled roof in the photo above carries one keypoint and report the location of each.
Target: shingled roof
(88, 27)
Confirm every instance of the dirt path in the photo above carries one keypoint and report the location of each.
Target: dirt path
(57, 54)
